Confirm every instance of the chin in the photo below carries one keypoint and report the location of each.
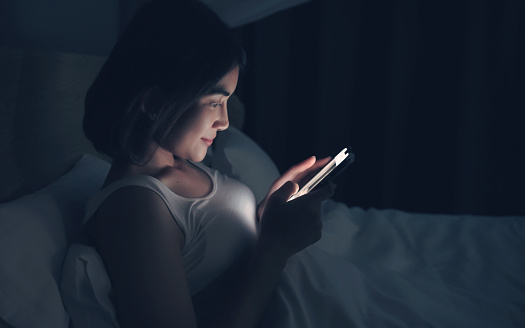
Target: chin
(198, 157)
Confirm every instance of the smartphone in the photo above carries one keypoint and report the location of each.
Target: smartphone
(331, 170)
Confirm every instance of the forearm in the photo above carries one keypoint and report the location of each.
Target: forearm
(285, 229)
(245, 307)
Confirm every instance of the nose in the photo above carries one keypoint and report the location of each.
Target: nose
(222, 121)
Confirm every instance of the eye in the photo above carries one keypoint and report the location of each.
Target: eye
(215, 104)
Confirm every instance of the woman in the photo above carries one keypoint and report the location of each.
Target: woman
(182, 243)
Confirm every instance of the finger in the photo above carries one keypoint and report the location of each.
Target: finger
(282, 194)
(261, 207)
(293, 171)
(311, 171)
(322, 162)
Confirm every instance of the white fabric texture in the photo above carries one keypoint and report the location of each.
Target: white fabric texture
(86, 289)
(389, 268)
(33, 244)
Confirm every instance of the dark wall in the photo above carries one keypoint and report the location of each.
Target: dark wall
(430, 96)
(83, 26)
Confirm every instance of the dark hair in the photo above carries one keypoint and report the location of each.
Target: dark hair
(170, 54)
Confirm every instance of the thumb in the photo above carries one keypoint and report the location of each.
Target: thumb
(282, 194)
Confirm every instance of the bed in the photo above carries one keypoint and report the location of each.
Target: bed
(404, 269)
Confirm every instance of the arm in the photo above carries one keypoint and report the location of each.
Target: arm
(286, 228)
(141, 245)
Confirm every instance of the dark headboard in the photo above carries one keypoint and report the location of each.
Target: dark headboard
(41, 106)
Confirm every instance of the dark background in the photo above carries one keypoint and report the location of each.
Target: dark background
(429, 94)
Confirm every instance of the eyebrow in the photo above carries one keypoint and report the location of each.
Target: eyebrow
(218, 90)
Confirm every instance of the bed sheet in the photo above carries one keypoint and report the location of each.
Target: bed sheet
(389, 268)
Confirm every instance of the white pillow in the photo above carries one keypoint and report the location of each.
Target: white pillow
(34, 232)
(239, 157)
(86, 289)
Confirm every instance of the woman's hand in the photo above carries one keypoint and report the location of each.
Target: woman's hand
(299, 173)
(289, 227)
(286, 228)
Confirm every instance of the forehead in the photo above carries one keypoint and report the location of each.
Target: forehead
(227, 85)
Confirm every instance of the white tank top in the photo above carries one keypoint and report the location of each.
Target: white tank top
(218, 228)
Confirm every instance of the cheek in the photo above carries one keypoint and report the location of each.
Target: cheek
(199, 121)
(191, 124)
(184, 132)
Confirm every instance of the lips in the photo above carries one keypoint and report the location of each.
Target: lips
(208, 142)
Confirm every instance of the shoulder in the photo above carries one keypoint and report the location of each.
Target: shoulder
(132, 202)
(131, 198)
(141, 247)
(135, 211)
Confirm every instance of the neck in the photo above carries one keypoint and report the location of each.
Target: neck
(160, 161)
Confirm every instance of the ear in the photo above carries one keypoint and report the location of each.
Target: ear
(150, 102)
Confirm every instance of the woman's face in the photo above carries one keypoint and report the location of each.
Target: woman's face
(195, 130)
